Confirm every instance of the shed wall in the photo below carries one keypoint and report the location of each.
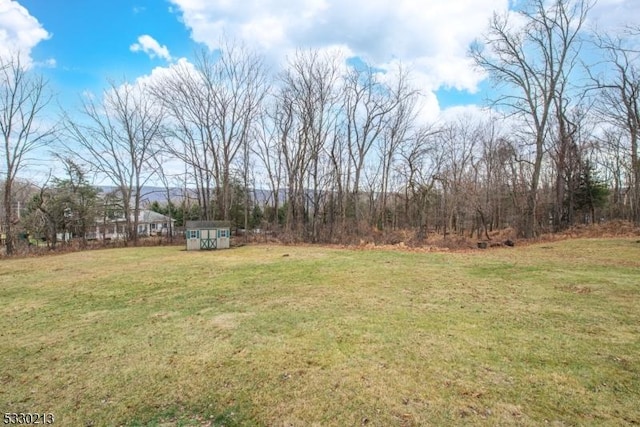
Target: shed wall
(198, 239)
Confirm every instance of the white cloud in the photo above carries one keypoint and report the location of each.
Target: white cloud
(151, 47)
(432, 35)
(471, 112)
(19, 31)
(47, 63)
(429, 36)
(158, 74)
(612, 14)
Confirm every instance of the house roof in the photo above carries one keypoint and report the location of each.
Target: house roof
(207, 224)
(146, 215)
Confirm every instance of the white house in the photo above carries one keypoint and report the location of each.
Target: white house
(150, 223)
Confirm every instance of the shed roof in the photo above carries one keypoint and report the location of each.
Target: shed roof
(191, 225)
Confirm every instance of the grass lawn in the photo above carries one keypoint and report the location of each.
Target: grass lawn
(282, 336)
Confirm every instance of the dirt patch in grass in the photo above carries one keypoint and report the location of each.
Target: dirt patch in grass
(576, 289)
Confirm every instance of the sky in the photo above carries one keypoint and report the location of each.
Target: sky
(79, 44)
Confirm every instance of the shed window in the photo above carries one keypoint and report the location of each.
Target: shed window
(194, 234)
(223, 233)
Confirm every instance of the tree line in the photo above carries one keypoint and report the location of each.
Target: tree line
(339, 148)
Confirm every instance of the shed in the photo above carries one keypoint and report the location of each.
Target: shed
(207, 235)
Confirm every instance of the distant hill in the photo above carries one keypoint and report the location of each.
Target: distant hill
(152, 194)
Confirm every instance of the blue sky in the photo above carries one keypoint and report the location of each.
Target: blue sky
(79, 44)
(90, 41)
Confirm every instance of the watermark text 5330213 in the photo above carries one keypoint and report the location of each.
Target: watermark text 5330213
(28, 418)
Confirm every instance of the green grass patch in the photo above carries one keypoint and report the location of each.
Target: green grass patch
(530, 335)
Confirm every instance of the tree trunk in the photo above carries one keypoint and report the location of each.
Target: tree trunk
(635, 165)
(8, 226)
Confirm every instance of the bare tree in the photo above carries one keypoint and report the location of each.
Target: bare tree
(340, 172)
(420, 161)
(620, 100)
(116, 137)
(397, 128)
(306, 116)
(613, 162)
(189, 129)
(23, 99)
(571, 137)
(213, 105)
(159, 164)
(239, 87)
(488, 192)
(532, 59)
(268, 151)
(367, 105)
(294, 158)
(458, 141)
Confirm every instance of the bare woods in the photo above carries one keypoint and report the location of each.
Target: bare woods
(331, 149)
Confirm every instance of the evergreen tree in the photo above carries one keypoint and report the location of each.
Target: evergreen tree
(591, 193)
(68, 207)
